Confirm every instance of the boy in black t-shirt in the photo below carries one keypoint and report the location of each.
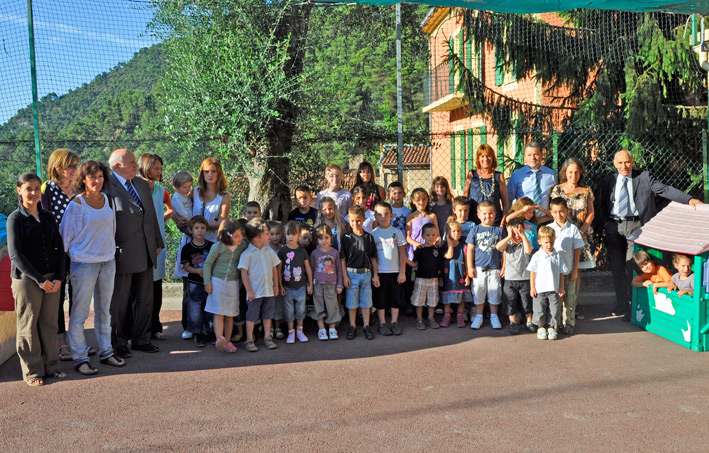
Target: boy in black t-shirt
(193, 255)
(358, 253)
(429, 261)
(303, 213)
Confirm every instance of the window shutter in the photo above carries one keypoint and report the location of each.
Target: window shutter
(500, 154)
(451, 69)
(499, 68)
(483, 135)
(453, 159)
(471, 150)
(462, 159)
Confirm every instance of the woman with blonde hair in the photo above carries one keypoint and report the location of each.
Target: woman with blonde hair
(485, 183)
(56, 194)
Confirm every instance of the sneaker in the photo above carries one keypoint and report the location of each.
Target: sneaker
(551, 334)
(395, 329)
(420, 325)
(291, 337)
(439, 311)
(322, 335)
(431, 322)
(446, 321)
(514, 330)
(477, 322)
(541, 333)
(269, 343)
(495, 322)
(250, 346)
(199, 341)
(384, 330)
(301, 336)
(351, 332)
(278, 333)
(568, 330)
(460, 320)
(368, 334)
(333, 333)
(186, 335)
(531, 327)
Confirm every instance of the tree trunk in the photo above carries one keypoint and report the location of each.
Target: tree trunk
(271, 190)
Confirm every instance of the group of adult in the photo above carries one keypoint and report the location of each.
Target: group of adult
(100, 228)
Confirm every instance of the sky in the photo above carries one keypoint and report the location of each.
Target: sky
(75, 40)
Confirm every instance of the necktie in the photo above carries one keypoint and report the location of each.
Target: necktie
(133, 193)
(624, 200)
(537, 192)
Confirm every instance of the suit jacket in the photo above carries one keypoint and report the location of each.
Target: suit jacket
(645, 187)
(137, 231)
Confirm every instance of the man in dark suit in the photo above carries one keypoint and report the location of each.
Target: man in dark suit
(138, 243)
(627, 202)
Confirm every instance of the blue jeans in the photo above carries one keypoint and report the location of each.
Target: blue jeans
(359, 294)
(198, 321)
(87, 280)
(294, 304)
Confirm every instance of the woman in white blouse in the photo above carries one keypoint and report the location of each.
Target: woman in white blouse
(88, 230)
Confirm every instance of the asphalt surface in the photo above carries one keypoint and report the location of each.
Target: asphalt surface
(610, 387)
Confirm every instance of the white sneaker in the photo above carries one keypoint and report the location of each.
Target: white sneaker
(186, 335)
(541, 333)
(333, 333)
(477, 322)
(551, 334)
(291, 337)
(322, 335)
(301, 336)
(495, 322)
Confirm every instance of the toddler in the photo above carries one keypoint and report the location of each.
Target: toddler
(517, 251)
(222, 282)
(546, 279)
(259, 273)
(276, 242)
(683, 280)
(651, 272)
(456, 283)
(428, 261)
(181, 200)
(296, 280)
(327, 276)
(484, 262)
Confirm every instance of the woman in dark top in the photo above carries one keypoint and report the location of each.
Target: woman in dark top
(365, 178)
(484, 183)
(38, 269)
(56, 194)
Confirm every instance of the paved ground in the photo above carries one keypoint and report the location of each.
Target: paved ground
(611, 387)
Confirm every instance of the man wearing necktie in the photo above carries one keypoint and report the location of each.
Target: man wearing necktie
(534, 181)
(627, 202)
(138, 243)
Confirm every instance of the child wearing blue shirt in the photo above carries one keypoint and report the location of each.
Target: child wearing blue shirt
(484, 262)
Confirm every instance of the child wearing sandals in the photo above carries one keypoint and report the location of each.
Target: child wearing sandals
(259, 272)
(456, 283)
(222, 282)
(327, 277)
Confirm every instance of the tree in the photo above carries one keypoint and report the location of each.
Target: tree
(234, 76)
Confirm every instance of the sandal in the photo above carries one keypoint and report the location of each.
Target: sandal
(35, 382)
(230, 348)
(56, 374)
(92, 351)
(86, 369)
(64, 353)
(114, 361)
(250, 346)
(220, 344)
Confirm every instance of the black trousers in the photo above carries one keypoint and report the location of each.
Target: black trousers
(619, 239)
(132, 308)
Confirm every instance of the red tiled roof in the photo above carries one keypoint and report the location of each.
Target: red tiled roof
(678, 228)
(413, 155)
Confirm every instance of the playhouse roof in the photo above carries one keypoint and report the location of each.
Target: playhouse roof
(678, 228)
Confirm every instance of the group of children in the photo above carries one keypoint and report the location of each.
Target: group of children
(384, 257)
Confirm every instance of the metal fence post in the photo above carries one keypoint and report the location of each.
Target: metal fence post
(705, 170)
(35, 100)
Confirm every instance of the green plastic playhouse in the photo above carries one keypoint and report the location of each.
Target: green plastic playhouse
(685, 320)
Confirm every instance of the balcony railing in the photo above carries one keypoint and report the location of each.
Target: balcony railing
(439, 90)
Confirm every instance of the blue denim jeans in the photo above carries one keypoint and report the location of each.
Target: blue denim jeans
(294, 304)
(198, 321)
(359, 294)
(87, 280)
